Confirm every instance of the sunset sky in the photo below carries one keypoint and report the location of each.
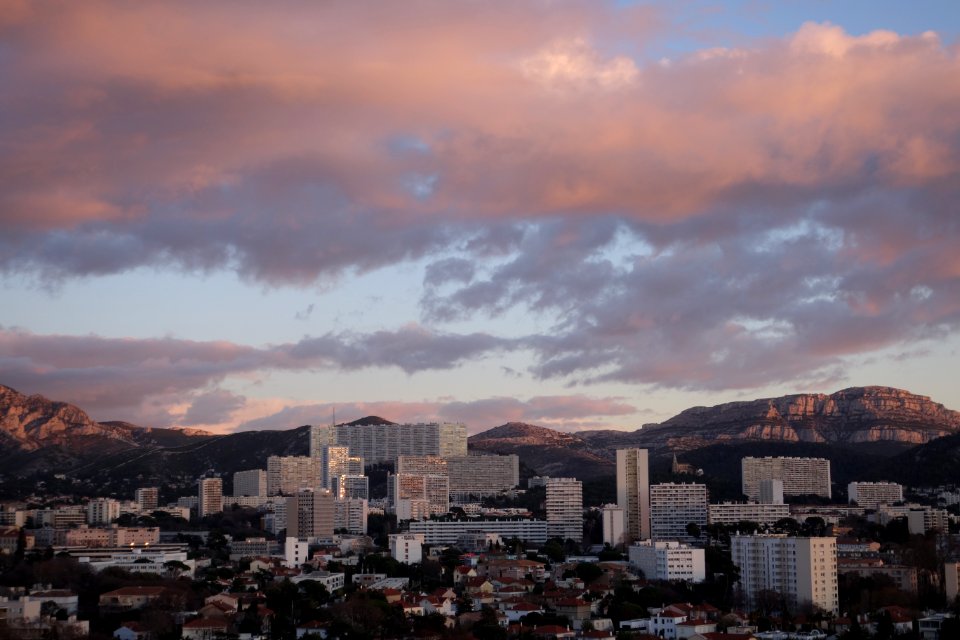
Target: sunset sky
(237, 215)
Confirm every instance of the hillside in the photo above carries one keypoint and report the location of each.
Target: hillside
(547, 451)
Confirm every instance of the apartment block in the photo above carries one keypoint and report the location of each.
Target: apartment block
(613, 524)
(350, 514)
(734, 512)
(800, 476)
(209, 496)
(286, 475)
(334, 462)
(483, 475)
(385, 442)
(353, 486)
(673, 507)
(447, 532)
(564, 505)
(320, 436)
(406, 547)
(668, 560)
(250, 483)
(407, 491)
(633, 492)
(802, 570)
(102, 511)
(871, 495)
(421, 465)
(310, 514)
(147, 498)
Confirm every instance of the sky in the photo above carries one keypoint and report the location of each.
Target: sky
(583, 215)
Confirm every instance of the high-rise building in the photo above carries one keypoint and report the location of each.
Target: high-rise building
(320, 436)
(353, 486)
(564, 505)
(613, 524)
(771, 491)
(209, 496)
(483, 475)
(421, 465)
(668, 560)
(416, 496)
(350, 514)
(250, 483)
(734, 512)
(871, 495)
(102, 511)
(633, 492)
(384, 442)
(800, 476)
(334, 462)
(147, 498)
(310, 514)
(802, 570)
(673, 507)
(288, 474)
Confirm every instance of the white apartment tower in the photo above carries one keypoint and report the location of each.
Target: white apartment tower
(871, 495)
(673, 507)
(320, 436)
(102, 511)
(802, 570)
(800, 476)
(209, 496)
(483, 475)
(350, 514)
(417, 496)
(384, 442)
(668, 560)
(147, 498)
(334, 462)
(353, 486)
(288, 474)
(633, 492)
(613, 524)
(250, 483)
(421, 465)
(564, 504)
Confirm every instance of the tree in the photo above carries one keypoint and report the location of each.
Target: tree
(693, 530)
(588, 572)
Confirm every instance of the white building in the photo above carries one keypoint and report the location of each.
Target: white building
(102, 511)
(350, 514)
(288, 474)
(421, 465)
(412, 495)
(320, 436)
(334, 462)
(871, 495)
(613, 524)
(209, 496)
(384, 442)
(633, 492)
(668, 560)
(407, 547)
(353, 486)
(295, 552)
(802, 570)
(564, 506)
(800, 476)
(483, 475)
(151, 560)
(250, 483)
(771, 491)
(447, 532)
(734, 512)
(674, 506)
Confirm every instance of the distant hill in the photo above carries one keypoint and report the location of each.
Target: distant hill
(369, 420)
(550, 452)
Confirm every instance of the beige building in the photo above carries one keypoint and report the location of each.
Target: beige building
(310, 514)
(384, 442)
(286, 475)
(802, 570)
(421, 465)
(800, 476)
(483, 475)
(210, 496)
(633, 492)
(871, 495)
(415, 496)
(734, 512)
(951, 576)
(564, 505)
(147, 498)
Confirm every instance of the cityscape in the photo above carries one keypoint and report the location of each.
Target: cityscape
(461, 320)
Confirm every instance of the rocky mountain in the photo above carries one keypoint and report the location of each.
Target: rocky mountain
(857, 415)
(547, 451)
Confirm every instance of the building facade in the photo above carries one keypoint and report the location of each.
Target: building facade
(102, 511)
(483, 475)
(286, 475)
(310, 514)
(377, 443)
(871, 495)
(447, 532)
(147, 498)
(734, 512)
(613, 524)
(633, 492)
(801, 570)
(250, 483)
(564, 506)
(675, 506)
(209, 496)
(668, 560)
(800, 476)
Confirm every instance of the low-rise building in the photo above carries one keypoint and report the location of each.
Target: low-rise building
(668, 560)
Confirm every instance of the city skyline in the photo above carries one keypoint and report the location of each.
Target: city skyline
(592, 215)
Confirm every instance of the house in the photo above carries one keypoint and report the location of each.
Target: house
(575, 609)
(132, 631)
(519, 610)
(695, 627)
(63, 598)
(204, 628)
(554, 632)
(312, 628)
(130, 598)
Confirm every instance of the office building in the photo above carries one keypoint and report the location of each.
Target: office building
(250, 483)
(802, 570)
(350, 515)
(102, 511)
(147, 498)
(310, 514)
(871, 495)
(209, 496)
(613, 524)
(377, 443)
(675, 506)
(448, 532)
(564, 505)
(771, 491)
(800, 476)
(633, 492)
(734, 512)
(286, 475)
(406, 547)
(483, 475)
(668, 560)
(353, 486)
